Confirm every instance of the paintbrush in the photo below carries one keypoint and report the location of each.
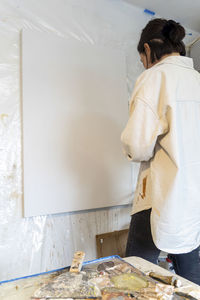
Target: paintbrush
(77, 262)
(171, 280)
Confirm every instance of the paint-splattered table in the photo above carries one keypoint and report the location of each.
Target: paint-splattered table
(23, 289)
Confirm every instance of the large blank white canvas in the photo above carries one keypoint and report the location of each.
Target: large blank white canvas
(74, 110)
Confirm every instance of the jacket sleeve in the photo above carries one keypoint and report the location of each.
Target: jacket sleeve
(140, 134)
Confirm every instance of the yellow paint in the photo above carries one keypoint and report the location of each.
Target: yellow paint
(15, 195)
(3, 118)
(129, 282)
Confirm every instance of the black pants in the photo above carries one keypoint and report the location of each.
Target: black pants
(140, 243)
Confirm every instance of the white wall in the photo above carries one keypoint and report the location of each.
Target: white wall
(184, 11)
(195, 54)
(40, 244)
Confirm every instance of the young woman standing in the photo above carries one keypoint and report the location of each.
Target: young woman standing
(163, 133)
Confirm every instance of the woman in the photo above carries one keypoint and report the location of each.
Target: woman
(163, 133)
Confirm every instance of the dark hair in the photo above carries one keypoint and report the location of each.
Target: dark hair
(163, 37)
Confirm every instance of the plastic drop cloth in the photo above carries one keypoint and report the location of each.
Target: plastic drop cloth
(39, 244)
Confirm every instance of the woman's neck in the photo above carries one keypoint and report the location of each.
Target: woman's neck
(165, 56)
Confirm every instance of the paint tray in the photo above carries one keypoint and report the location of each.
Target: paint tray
(95, 279)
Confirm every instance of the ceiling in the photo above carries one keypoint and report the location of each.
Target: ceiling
(187, 12)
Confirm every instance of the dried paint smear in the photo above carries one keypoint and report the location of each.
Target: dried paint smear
(114, 279)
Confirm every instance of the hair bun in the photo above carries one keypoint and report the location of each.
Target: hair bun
(173, 31)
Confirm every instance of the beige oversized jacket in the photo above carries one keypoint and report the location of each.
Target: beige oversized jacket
(163, 132)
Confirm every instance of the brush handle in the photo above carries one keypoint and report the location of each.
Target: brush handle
(77, 262)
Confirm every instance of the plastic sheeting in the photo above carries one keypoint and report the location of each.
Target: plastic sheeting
(33, 245)
(195, 53)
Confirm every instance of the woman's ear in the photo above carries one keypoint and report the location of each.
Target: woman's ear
(146, 47)
(147, 50)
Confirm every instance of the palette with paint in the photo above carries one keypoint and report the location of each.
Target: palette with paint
(106, 278)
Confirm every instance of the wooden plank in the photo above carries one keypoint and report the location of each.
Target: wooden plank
(111, 243)
(77, 262)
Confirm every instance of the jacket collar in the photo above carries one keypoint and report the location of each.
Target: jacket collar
(182, 61)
